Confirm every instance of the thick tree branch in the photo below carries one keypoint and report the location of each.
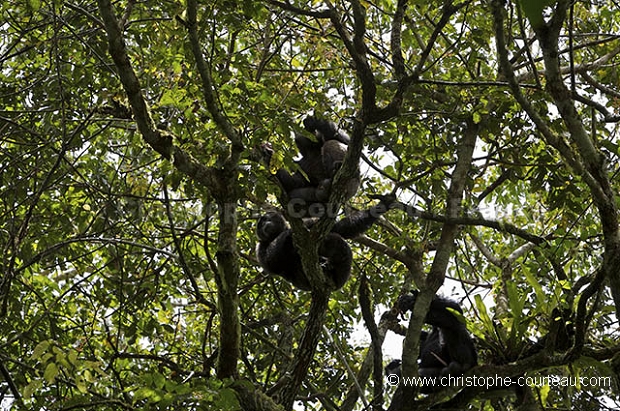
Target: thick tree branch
(162, 143)
(396, 39)
(376, 342)
(443, 253)
(208, 89)
(508, 72)
(220, 182)
(453, 206)
(307, 347)
(357, 50)
(603, 194)
(226, 196)
(404, 82)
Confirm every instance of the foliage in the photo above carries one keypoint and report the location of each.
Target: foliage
(130, 186)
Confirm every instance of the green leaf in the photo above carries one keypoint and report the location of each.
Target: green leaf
(533, 9)
(40, 349)
(50, 373)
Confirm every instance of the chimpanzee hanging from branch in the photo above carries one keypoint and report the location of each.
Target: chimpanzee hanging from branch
(308, 188)
(279, 256)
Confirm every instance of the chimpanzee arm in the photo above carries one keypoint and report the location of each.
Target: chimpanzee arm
(336, 259)
(360, 221)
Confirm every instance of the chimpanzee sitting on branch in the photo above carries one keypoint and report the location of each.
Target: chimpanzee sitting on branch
(447, 350)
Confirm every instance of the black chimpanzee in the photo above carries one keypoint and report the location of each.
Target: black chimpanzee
(278, 255)
(319, 162)
(447, 349)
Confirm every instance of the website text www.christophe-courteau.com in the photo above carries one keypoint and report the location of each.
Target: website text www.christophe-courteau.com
(499, 381)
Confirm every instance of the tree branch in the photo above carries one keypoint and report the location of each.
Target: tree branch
(436, 275)
(208, 89)
(307, 347)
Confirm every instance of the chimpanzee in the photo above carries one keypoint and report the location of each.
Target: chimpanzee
(319, 162)
(325, 130)
(447, 349)
(278, 255)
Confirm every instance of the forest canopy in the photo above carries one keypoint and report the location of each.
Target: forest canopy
(141, 142)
